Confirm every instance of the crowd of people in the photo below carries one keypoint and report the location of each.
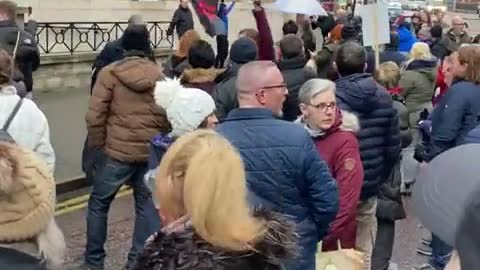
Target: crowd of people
(247, 161)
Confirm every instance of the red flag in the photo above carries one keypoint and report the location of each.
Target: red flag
(207, 14)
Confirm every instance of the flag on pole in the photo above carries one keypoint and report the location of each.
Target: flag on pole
(207, 14)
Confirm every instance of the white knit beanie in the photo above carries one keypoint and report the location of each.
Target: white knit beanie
(186, 108)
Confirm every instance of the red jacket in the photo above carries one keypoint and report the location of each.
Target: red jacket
(339, 148)
(440, 86)
(265, 39)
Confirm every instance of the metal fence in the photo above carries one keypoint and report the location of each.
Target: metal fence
(77, 37)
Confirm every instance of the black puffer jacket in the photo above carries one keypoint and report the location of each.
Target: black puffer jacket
(27, 59)
(295, 75)
(379, 135)
(405, 131)
(390, 205)
(225, 94)
(187, 250)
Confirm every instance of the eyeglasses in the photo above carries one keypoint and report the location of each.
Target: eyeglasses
(282, 86)
(324, 106)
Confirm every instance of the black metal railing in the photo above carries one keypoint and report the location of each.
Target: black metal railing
(75, 37)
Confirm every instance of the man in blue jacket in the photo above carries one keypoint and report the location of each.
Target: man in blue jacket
(284, 171)
(379, 135)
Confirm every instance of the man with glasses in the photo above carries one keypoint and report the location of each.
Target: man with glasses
(379, 138)
(284, 171)
(456, 36)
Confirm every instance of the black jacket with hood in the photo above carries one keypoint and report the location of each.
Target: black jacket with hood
(379, 135)
(187, 250)
(182, 20)
(295, 75)
(27, 58)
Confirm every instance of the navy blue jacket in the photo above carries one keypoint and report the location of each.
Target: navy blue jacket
(286, 174)
(473, 136)
(157, 149)
(455, 115)
(379, 135)
(392, 54)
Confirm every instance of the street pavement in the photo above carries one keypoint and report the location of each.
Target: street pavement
(121, 220)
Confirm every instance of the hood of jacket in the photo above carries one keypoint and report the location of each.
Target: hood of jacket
(464, 37)
(428, 68)
(292, 63)
(200, 75)
(278, 244)
(359, 92)
(138, 74)
(344, 120)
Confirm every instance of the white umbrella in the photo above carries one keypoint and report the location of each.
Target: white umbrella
(306, 7)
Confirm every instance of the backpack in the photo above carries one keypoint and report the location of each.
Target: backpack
(4, 135)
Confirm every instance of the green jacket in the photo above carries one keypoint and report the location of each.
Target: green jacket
(418, 83)
(451, 43)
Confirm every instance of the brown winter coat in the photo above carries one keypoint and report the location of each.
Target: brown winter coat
(201, 78)
(122, 115)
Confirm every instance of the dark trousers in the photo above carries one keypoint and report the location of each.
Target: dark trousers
(382, 252)
(108, 180)
(222, 50)
(441, 253)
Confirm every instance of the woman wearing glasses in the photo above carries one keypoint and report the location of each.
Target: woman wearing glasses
(333, 132)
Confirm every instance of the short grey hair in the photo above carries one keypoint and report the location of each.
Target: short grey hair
(314, 87)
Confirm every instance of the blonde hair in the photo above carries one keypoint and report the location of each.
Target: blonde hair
(202, 176)
(388, 75)
(420, 51)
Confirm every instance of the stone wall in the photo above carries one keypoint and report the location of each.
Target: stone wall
(63, 72)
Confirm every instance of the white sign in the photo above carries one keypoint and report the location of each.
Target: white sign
(306, 7)
(375, 24)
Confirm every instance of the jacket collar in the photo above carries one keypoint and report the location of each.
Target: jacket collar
(200, 75)
(420, 64)
(292, 63)
(453, 36)
(391, 49)
(8, 23)
(249, 114)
